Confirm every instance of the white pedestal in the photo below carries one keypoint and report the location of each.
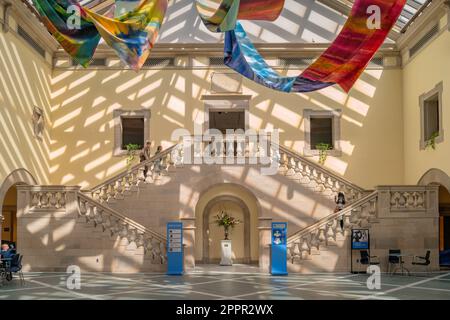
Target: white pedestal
(226, 253)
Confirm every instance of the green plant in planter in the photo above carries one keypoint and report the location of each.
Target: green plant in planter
(223, 219)
(431, 143)
(323, 151)
(132, 150)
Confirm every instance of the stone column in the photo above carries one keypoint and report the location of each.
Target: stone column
(265, 229)
(189, 242)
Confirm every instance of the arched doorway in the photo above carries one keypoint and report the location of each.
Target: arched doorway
(440, 178)
(444, 219)
(240, 203)
(9, 231)
(213, 234)
(9, 213)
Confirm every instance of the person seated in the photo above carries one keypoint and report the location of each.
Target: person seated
(6, 252)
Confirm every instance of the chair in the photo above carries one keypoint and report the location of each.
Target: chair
(16, 267)
(423, 261)
(394, 260)
(368, 260)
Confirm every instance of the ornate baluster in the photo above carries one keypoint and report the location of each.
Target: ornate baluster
(290, 165)
(305, 173)
(304, 249)
(82, 207)
(162, 252)
(111, 191)
(62, 199)
(52, 199)
(321, 236)
(140, 241)
(35, 199)
(297, 252)
(331, 231)
(119, 189)
(104, 193)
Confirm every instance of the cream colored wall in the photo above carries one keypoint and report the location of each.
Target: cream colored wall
(24, 83)
(420, 75)
(83, 102)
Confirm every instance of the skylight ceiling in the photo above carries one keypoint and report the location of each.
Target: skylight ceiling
(411, 10)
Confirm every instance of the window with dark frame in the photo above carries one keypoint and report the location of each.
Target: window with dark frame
(133, 131)
(321, 131)
(431, 117)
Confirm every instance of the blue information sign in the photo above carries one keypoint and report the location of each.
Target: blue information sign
(360, 239)
(175, 248)
(279, 249)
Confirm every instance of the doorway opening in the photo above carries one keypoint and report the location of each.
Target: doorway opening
(9, 213)
(227, 120)
(444, 227)
(213, 234)
(230, 119)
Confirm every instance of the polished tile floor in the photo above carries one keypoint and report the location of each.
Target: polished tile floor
(230, 284)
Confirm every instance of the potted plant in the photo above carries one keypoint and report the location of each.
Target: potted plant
(223, 219)
(132, 150)
(431, 142)
(323, 151)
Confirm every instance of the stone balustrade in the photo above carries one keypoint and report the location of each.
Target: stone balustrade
(49, 206)
(234, 150)
(48, 198)
(128, 181)
(117, 224)
(361, 213)
(392, 213)
(322, 180)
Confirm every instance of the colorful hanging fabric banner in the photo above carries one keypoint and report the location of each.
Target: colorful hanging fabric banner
(132, 35)
(221, 15)
(342, 63)
(242, 56)
(136, 23)
(80, 43)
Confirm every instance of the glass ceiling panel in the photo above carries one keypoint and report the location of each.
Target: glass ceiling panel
(409, 11)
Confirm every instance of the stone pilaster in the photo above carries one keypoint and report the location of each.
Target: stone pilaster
(189, 242)
(264, 228)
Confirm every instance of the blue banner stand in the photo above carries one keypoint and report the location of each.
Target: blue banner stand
(278, 263)
(175, 263)
(360, 240)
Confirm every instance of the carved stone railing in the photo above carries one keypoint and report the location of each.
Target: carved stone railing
(118, 186)
(360, 213)
(38, 202)
(387, 202)
(401, 200)
(117, 224)
(247, 150)
(48, 197)
(323, 180)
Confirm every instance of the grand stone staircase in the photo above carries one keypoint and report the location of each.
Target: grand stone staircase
(318, 245)
(303, 245)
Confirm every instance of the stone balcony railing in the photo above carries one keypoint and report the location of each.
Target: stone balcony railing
(253, 150)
